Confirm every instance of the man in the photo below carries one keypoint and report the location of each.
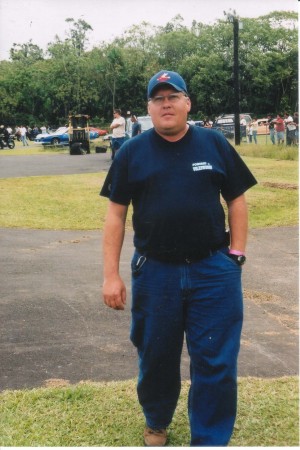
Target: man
(243, 127)
(271, 128)
(136, 126)
(4, 136)
(280, 128)
(184, 277)
(296, 122)
(23, 131)
(290, 129)
(128, 126)
(118, 132)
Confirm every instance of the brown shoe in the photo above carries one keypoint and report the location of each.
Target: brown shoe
(155, 438)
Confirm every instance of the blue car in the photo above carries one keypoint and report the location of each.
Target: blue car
(59, 136)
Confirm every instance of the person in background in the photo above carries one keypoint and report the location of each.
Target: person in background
(249, 132)
(23, 131)
(136, 126)
(243, 127)
(254, 126)
(186, 273)
(128, 127)
(206, 123)
(280, 128)
(290, 129)
(271, 128)
(118, 132)
(4, 134)
(18, 133)
(296, 122)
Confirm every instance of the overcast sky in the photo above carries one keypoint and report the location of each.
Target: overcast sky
(41, 20)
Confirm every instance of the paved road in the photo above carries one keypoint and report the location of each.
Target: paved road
(55, 326)
(12, 166)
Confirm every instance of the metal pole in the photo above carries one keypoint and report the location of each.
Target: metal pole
(237, 129)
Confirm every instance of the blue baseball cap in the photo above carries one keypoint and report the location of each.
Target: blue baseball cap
(169, 78)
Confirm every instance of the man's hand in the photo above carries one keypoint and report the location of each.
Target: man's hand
(114, 292)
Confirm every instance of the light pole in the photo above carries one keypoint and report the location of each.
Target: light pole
(232, 17)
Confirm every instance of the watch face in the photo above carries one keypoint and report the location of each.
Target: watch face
(241, 259)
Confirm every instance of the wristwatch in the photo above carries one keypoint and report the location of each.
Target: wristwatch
(239, 259)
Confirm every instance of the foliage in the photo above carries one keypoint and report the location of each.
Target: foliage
(39, 88)
(108, 415)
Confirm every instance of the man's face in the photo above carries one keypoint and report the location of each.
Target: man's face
(169, 114)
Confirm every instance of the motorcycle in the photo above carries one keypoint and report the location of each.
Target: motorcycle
(10, 143)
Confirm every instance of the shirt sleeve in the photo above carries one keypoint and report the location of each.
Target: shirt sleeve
(116, 186)
(238, 177)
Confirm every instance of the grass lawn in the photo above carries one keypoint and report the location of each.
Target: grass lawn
(108, 415)
(73, 201)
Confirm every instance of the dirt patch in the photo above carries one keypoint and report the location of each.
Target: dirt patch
(56, 382)
(261, 297)
(274, 306)
(279, 185)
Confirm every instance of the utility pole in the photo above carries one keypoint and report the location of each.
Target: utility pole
(237, 128)
(232, 18)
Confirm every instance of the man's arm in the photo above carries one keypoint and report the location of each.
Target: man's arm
(238, 223)
(114, 290)
(114, 125)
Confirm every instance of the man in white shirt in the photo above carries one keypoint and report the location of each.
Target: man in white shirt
(118, 132)
(23, 132)
(290, 129)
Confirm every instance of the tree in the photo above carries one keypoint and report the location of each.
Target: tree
(46, 88)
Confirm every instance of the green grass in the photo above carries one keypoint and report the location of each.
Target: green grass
(73, 202)
(108, 415)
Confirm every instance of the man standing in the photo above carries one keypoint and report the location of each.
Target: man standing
(23, 131)
(290, 129)
(243, 126)
(185, 278)
(118, 130)
(136, 126)
(280, 128)
(271, 128)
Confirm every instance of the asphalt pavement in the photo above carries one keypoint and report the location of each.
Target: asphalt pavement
(55, 327)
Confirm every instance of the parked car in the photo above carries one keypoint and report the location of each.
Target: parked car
(197, 123)
(263, 126)
(146, 122)
(60, 136)
(99, 131)
(225, 124)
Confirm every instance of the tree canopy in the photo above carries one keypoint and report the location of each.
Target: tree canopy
(44, 87)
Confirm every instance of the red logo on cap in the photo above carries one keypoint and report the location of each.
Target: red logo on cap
(164, 77)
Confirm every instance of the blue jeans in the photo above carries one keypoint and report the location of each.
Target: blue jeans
(24, 140)
(272, 135)
(204, 301)
(255, 136)
(116, 143)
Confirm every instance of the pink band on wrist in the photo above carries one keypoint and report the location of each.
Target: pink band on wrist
(236, 252)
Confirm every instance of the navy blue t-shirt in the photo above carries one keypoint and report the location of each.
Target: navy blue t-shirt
(175, 189)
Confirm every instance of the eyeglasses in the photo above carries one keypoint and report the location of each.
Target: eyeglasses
(172, 98)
